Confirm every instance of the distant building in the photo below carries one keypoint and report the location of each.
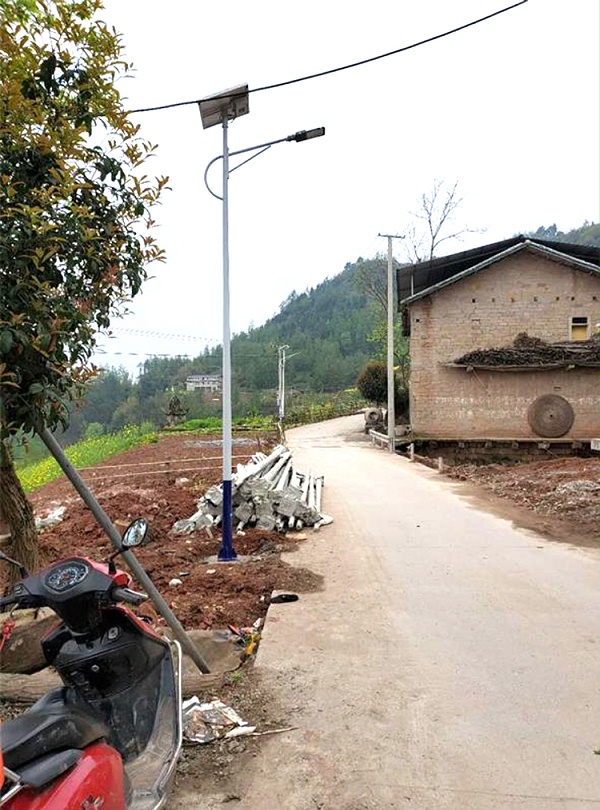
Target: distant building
(203, 382)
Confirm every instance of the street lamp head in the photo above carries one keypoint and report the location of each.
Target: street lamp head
(224, 106)
(306, 134)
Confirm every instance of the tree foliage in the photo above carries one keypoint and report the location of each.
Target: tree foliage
(371, 279)
(72, 200)
(586, 234)
(326, 328)
(372, 382)
(379, 337)
(74, 218)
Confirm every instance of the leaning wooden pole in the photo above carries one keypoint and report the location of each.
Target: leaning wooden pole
(129, 557)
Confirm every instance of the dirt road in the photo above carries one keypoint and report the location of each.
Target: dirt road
(449, 663)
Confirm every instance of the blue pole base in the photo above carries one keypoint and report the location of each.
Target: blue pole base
(227, 551)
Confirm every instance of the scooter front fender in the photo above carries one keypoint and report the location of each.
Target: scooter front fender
(95, 782)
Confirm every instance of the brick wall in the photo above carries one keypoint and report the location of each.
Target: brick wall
(522, 293)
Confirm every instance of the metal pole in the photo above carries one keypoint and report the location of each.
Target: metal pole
(279, 349)
(391, 414)
(129, 557)
(282, 407)
(227, 551)
(281, 381)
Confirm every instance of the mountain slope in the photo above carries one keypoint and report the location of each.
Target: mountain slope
(326, 331)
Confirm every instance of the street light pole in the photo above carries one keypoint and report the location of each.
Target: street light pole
(220, 109)
(214, 110)
(227, 551)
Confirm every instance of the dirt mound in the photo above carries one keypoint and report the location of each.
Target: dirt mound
(162, 483)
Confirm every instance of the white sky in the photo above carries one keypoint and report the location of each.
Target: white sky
(508, 108)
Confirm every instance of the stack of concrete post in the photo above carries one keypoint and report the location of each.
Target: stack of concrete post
(267, 493)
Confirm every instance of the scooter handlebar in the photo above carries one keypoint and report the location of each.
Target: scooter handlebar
(127, 595)
(21, 598)
(7, 601)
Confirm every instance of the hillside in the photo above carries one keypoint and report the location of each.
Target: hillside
(586, 234)
(329, 331)
(326, 330)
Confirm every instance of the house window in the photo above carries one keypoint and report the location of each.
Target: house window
(579, 327)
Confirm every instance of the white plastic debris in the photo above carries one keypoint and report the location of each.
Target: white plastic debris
(53, 518)
(199, 520)
(205, 722)
(175, 581)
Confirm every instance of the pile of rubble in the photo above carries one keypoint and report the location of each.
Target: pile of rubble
(531, 351)
(267, 493)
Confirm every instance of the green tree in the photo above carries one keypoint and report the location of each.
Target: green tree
(94, 430)
(372, 384)
(586, 234)
(371, 279)
(128, 412)
(161, 374)
(105, 393)
(401, 349)
(75, 215)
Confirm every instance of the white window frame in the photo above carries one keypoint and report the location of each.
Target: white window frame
(573, 324)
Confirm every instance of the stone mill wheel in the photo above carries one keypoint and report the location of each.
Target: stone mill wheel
(550, 416)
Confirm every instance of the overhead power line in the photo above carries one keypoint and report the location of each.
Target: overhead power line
(352, 64)
(102, 350)
(170, 335)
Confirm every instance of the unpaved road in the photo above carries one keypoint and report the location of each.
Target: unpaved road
(450, 663)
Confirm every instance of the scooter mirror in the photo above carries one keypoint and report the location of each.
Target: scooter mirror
(135, 534)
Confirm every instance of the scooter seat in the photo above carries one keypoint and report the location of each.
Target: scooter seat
(51, 724)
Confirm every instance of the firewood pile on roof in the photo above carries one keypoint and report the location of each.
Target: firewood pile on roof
(532, 352)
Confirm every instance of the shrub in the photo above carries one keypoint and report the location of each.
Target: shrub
(93, 430)
(372, 382)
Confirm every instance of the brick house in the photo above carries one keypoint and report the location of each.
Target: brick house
(481, 299)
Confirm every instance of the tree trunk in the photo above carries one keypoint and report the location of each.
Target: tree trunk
(18, 514)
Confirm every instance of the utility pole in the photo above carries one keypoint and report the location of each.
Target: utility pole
(281, 377)
(391, 411)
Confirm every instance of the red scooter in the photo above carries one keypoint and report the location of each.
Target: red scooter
(110, 737)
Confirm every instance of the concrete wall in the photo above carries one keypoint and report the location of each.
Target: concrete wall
(522, 293)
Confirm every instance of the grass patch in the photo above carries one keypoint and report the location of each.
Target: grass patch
(213, 424)
(83, 454)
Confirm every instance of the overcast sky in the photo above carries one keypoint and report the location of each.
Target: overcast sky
(508, 108)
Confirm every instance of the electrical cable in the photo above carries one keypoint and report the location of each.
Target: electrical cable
(152, 333)
(102, 350)
(352, 65)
